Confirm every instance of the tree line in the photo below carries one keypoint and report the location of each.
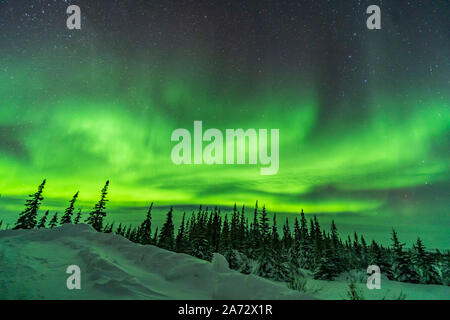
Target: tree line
(257, 246)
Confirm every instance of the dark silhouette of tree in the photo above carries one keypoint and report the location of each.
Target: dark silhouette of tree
(166, 237)
(181, 241)
(43, 221)
(95, 218)
(27, 218)
(108, 228)
(155, 236)
(402, 266)
(78, 217)
(327, 269)
(120, 229)
(425, 265)
(54, 222)
(67, 217)
(145, 230)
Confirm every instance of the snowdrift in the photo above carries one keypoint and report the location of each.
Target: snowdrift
(33, 265)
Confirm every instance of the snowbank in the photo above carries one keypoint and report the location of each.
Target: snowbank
(33, 265)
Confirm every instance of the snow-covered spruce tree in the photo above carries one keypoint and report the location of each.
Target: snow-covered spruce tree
(275, 237)
(364, 253)
(27, 218)
(317, 245)
(355, 255)
(243, 239)
(234, 228)
(443, 266)
(145, 230)
(245, 266)
(286, 240)
(425, 265)
(78, 217)
(265, 257)
(213, 230)
(224, 236)
(231, 255)
(402, 268)
(166, 237)
(95, 218)
(336, 249)
(269, 264)
(181, 241)
(378, 256)
(305, 244)
(42, 221)
(254, 236)
(200, 246)
(326, 269)
(67, 217)
(54, 222)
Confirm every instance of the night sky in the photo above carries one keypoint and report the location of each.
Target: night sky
(363, 114)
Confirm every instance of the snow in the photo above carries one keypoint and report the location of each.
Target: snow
(33, 265)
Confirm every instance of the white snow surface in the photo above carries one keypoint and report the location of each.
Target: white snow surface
(33, 265)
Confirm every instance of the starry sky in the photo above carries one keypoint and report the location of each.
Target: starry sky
(363, 114)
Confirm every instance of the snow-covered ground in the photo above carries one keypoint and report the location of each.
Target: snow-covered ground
(33, 265)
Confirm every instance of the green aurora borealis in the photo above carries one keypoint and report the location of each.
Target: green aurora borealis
(371, 148)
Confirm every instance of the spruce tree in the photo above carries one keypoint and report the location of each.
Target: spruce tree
(67, 217)
(181, 239)
(109, 228)
(78, 217)
(133, 235)
(224, 236)
(424, 263)
(198, 238)
(226, 248)
(267, 264)
(95, 218)
(54, 222)
(43, 221)
(119, 230)
(243, 246)
(335, 250)
(402, 265)
(275, 235)
(287, 236)
(303, 227)
(264, 226)
(27, 218)
(255, 233)
(145, 231)
(166, 237)
(326, 269)
(155, 236)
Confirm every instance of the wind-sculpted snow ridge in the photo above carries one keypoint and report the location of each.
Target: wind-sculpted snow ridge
(33, 265)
